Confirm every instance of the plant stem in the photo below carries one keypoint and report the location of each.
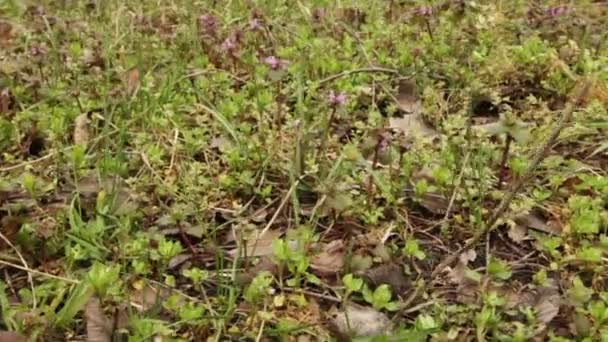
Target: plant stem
(519, 183)
(503, 162)
(428, 29)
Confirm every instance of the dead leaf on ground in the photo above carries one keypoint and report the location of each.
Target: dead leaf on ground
(407, 97)
(145, 295)
(361, 321)
(458, 273)
(7, 101)
(257, 244)
(99, 327)
(548, 303)
(11, 336)
(132, 80)
(6, 33)
(330, 260)
(391, 274)
(81, 129)
(408, 102)
(266, 264)
(412, 125)
(536, 221)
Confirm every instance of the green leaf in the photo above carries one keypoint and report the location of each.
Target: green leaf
(352, 284)
(579, 293)
(76, 302)
(382, 295)
(412, 249)
(426, 322)
(499, 269)
(589, 254)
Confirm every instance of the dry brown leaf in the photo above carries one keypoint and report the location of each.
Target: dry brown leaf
(99, 327)
(145, 295)
(6, 100)
(330, 260)
(361, 321)
(6, 33)
(256, 244)
(132, 81)
(535, 221)
(457, 274)
(517, 232)
(391, 274)
(81, 129)
(11, 336)
(548, 304)
(266, 264)
(408, 100)
(412, 125)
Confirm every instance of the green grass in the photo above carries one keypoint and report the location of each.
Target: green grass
(161, 176)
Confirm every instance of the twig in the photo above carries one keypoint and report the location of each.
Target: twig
(519, 183)
(25, 267)
(36, 272)
(280, 208)
(358, 71)
(313, 294)
(26, 163)
(458, 183)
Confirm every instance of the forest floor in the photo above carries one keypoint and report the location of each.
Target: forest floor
(303, 170)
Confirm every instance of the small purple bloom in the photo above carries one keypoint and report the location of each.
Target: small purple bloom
(231, 44)
(255, 24)
(556, 11)
(424, 11)
(336, 100)
(208, 24)
(274, 63)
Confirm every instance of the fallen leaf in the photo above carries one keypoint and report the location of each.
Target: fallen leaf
(266, 264)
(458, 273)
(179, 259)
(435, 203)
(257, 244)
(361, 321)
(534, 220)
(145, 296)
(517, 232)
(408, 102)
(81, 129)
(412, 125)
(6, 33)
(407, 97)
(330, 260)
(11, 336)
(548, 304)
(99, 327)
(7, 101)
(391, 274)
(132, 80)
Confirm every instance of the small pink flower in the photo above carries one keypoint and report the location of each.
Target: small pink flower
(424, 11)
(557, 11)
(274, 63)
(255, 24)
(336, 100)
(208, 24)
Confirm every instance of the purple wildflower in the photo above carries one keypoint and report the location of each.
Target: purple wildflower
(255, 24)
(336, 100)
(557, 11)
(424, 11)
(274, 63)
(208, 24)
(231, 44)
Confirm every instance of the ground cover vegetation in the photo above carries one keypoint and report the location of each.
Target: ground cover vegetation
(277, 170)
